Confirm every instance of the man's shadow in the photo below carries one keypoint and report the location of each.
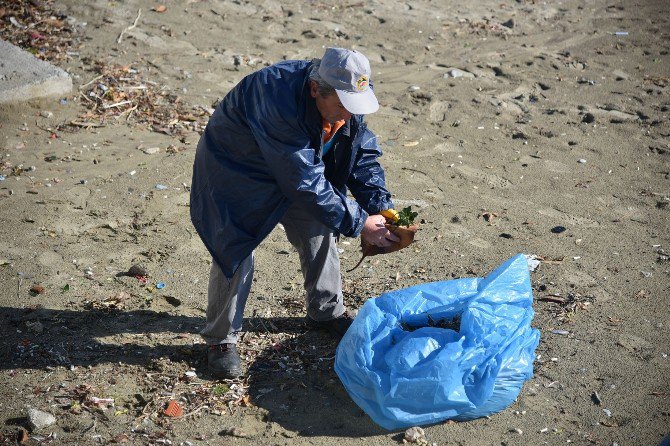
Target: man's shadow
(292, 379)
(295, 382)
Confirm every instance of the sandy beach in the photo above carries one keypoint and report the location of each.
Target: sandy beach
(510, 127)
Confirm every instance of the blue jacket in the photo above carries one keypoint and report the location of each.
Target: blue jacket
(261, 151)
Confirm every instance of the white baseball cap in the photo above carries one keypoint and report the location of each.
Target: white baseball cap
(348, 72)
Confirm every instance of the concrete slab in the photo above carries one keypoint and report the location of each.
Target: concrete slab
(24, 77)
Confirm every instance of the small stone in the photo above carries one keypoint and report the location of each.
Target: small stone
(558, 229)
(137, 270)
(38, 420)
(516, 430)
(596, 398)
(46, 114)
(508, 24)
(581, 161)
(37, 289)
(415, 435)
(151, 150)
(588, 118)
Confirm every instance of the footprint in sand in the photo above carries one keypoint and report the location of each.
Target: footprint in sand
(444, 147)
(568, 219)
(438, 111)
(490, 179)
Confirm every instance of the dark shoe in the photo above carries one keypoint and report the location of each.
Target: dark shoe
(224, 361)
(336, 327)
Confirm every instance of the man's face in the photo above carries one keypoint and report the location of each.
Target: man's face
(330, 107)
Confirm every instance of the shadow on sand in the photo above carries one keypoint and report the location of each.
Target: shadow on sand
(293, 378)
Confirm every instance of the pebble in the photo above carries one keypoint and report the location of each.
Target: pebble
(162, 187)
(516, 430)
(38, 420)
(415, 435)
(35, 327)
(581, 161)
(588, 118)
(151, 150)
(455, 72)
(46, 114)
(137, 270)
(596, 398)
(37, 289)
(508, 24)
(607, 412)
(561, 332)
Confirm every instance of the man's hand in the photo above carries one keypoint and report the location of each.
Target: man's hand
(375, 233)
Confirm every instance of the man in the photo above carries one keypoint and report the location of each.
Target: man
(285, 145)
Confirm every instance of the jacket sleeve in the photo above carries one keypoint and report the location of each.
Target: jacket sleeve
(367, 182)
(290, 158)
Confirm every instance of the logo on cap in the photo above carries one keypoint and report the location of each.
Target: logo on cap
(362, 83)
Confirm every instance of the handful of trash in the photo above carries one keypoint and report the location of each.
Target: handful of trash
(457, 349)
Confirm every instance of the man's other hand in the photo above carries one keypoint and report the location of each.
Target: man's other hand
(375, 233)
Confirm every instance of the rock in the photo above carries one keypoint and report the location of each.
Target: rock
(46, 114)
(508, 24)
(415, 435)
(588, 118)
(151, 150)
(37, 289)
(137, 270)
(39, 420)
(455, 72)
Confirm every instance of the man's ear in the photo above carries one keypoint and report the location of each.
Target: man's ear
(313, 88)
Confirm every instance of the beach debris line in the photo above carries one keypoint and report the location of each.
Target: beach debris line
(123, 92)
(41, 29)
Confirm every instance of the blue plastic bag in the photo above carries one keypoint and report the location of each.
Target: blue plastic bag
(406, 361)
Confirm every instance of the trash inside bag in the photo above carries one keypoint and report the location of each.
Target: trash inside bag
(457, 349)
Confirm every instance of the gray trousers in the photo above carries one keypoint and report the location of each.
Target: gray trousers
(320, 263)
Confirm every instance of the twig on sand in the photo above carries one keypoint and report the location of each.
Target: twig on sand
(91, 81)
(127, 111)
(86, 124)
(193, 412)
(118, 104)
(139, 13)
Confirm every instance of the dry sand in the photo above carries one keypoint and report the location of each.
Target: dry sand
(509, 137)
